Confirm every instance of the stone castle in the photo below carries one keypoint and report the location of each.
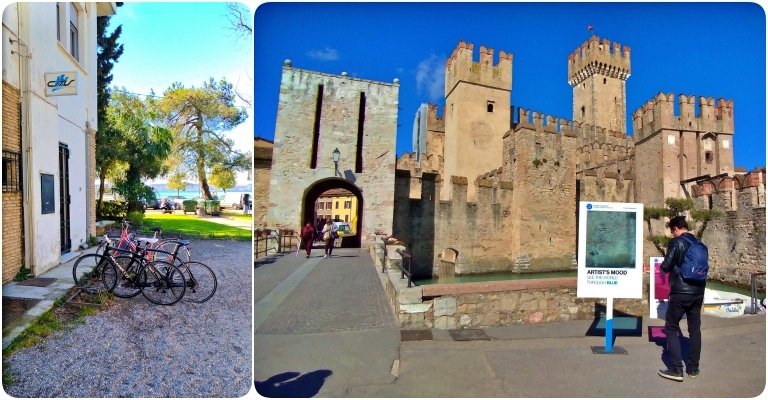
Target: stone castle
(496, 188)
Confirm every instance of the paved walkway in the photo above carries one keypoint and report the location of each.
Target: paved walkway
(324, 328)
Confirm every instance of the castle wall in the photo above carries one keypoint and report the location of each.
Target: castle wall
(262, 167)
(736, 241)
(292, 175)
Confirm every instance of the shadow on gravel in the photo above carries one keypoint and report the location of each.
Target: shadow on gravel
(293, 384)
(264, 261)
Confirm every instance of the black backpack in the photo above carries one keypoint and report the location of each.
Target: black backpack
(695, 265)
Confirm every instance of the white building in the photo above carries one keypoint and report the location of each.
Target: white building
(49, 66)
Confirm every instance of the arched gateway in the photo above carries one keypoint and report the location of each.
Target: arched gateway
(334, 131)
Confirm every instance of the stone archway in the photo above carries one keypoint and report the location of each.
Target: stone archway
(314, 191)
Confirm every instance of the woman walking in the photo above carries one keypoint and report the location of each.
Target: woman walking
(328, 238)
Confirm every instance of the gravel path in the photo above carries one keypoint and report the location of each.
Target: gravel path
(137, 349)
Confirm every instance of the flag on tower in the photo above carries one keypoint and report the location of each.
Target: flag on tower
(589, 28)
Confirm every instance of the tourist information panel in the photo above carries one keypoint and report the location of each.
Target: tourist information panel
(610, 250)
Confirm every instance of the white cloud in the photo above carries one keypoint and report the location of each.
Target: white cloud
(430, 78)
(327, 54)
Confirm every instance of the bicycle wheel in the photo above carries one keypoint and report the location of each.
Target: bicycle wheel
(183, 254)
(94, 273)
(200, 281)
(162, 283)
(127, 281)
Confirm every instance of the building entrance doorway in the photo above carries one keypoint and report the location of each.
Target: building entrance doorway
(338, 200)
(64, 199)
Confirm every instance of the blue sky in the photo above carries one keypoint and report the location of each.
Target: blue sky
(188, 43)
(703, 49)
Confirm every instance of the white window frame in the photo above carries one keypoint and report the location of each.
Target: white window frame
(64, 31)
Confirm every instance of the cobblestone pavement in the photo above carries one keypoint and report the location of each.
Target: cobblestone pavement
(339, 294)
(134, 348)
(326, 326)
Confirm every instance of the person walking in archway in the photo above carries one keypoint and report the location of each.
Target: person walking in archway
(328, 238)
(308, 237)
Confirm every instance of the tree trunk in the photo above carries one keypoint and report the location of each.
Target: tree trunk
(201, 160)
(102, 176)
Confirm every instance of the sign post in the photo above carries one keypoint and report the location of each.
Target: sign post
(610, 258)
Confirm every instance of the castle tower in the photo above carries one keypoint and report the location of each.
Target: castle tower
(598, 71)
(672, 151)
(476, 114)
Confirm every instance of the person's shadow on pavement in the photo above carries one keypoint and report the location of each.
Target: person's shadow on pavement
(293, 384)
(656, 335)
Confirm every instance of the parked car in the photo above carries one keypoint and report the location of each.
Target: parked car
(342, 228)
(169, 203)
(151, 203)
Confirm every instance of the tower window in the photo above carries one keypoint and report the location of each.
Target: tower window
(489, 107)
(708, 157)
(604, 81)
(583, 112)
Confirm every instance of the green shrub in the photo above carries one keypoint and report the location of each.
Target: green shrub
(114, 210)
(136, 218)
(23, 274)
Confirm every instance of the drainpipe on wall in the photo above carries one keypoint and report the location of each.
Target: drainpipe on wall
(26, 143)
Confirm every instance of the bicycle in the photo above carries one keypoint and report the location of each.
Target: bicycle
(94, 273)
(159, 281)
(199, 278)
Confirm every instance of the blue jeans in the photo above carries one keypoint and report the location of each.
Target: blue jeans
(690, 305)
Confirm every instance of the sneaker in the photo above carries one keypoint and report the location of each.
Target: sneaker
(325, 256)
(673, 375)
(693, 372)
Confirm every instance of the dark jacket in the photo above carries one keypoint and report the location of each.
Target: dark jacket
(675, 253)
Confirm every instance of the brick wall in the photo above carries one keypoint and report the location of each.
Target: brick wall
(13, 223)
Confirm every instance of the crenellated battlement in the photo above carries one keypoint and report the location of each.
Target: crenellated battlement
(434, 121)
(658, 113)
(541, 122)
(597, 56)
(460, 66)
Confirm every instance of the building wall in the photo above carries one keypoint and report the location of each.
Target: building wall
(51, 120)
(292, 175)
(13, 219)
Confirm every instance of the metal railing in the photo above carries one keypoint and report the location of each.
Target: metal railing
(273, 241)
(754, 306)
(405, 266)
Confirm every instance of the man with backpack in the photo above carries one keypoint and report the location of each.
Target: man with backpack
(686, 261)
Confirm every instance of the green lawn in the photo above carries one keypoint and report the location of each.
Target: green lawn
(190, 226)
(237, 214)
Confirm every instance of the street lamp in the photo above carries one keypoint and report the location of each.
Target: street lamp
(336, 156)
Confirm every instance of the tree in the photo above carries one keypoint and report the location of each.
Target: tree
(222, 178)
(239, 18)
(108, 51)
(198, 118)
(142, 146)
(674, 207)
(176, 181)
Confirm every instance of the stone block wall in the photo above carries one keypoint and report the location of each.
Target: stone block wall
(13, 221)
(736, 241)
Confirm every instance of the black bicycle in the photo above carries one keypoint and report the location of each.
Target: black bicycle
(161, 282)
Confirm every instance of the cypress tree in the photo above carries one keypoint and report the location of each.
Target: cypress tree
(108, 52)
